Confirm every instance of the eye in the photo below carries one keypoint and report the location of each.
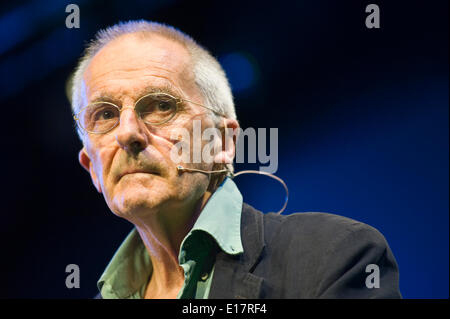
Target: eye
(156, 108)
(104, 112)
(99, 117)
(165, 106)
(106, 115)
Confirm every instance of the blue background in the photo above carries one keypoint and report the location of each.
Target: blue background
(362, 118)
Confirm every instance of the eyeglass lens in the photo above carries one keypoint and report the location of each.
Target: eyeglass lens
(154, 109)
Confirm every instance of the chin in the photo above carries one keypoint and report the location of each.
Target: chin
(138, 200)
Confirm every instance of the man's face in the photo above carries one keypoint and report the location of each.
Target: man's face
(131, 165)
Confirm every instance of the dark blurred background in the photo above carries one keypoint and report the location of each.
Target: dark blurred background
(362, 118)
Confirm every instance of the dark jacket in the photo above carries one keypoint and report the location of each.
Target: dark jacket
(305, 255)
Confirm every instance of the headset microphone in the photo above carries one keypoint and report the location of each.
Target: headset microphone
(184, 169)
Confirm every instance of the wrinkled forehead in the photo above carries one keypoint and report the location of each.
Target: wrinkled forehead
(131, 62)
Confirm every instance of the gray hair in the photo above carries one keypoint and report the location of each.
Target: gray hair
(209, 76)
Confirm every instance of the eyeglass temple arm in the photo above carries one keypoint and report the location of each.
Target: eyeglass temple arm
(212, 110)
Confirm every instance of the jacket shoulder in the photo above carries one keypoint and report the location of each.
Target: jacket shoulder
(318, 228)
(331, 227)
(322, 255)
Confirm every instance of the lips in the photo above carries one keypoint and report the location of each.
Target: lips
(137, 171)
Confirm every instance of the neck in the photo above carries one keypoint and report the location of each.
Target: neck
(162, 234)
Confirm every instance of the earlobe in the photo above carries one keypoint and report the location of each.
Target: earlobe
(86, 163)
(84, 159)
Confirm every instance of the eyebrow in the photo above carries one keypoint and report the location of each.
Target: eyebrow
(168, 89)
(108, 97)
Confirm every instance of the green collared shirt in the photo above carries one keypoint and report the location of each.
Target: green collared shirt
(217, 227)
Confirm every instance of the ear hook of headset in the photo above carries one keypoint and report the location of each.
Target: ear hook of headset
(270, 175)
(232, 175)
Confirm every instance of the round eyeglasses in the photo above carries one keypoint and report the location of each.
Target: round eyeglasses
(154, 109)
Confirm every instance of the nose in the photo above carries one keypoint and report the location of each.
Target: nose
(131, 134)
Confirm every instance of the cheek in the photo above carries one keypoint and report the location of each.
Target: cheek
(164, 141)
(102, 164)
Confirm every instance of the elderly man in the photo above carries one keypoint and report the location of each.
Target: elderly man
(138, 84)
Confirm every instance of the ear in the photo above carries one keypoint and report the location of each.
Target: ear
(85, 161)
(230, 131)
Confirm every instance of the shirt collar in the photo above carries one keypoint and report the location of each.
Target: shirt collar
(221, 218)
(131, 266)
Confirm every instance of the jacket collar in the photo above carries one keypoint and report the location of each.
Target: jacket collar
(233, 275)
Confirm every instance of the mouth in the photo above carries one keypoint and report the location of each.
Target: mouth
(138, 172)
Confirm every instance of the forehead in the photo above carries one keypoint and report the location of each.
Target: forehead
(132, 62)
